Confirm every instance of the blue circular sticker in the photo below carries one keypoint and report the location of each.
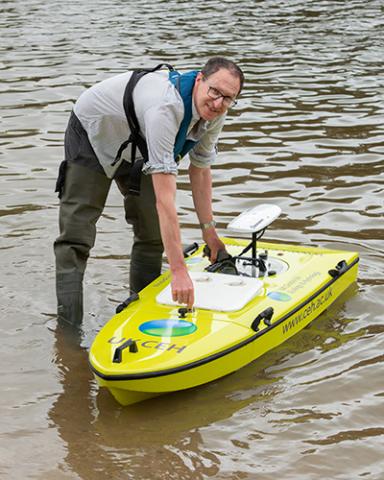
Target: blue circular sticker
(279, 296)
(167, 328)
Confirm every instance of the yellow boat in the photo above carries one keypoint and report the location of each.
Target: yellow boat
(153, 346)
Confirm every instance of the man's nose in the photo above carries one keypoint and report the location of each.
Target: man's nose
(218, 102)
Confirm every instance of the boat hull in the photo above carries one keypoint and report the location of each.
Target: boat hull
(222, 342)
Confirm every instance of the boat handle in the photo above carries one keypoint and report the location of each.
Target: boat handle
(340, 268)
(265, 315)
(190, 249)
(118, 354)
(130, 299)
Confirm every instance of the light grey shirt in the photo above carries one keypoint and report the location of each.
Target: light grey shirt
(159, 109)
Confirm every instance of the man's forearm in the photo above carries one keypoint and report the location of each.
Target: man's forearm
(165, 191)
(201, 182)
(181, 283)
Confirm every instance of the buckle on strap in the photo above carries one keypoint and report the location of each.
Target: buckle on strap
(122, 147)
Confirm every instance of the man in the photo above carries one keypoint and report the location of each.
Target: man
(163, 115)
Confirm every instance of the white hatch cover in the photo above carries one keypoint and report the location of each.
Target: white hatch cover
(218, 291)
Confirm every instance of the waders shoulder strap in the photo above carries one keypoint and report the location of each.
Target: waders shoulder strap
(135, 139)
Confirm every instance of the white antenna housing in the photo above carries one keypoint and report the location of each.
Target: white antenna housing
(255, 219)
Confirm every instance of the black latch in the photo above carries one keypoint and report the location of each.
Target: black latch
(341, 268)
(117, 356)
(126, 302)
(265, 315)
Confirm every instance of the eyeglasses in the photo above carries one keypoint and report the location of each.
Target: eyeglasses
(215, 94)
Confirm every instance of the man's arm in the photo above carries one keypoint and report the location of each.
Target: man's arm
(164, 186)
(201, 182)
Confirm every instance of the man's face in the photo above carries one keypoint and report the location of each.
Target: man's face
(223, 85)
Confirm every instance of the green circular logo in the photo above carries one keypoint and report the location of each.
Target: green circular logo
(167, 328)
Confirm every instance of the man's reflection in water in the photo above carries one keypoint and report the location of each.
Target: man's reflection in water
(105, 440)
(74, 410)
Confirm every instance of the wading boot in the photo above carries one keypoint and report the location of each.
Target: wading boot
(142, 274)
(69, 291)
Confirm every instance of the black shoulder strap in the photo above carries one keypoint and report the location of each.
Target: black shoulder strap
(135, 138)
(128, 95)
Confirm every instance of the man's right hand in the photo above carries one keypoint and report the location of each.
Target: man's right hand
(182, 288)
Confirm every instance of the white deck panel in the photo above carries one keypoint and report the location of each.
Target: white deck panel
(218, 291)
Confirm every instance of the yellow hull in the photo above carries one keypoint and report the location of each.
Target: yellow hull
(209, 344)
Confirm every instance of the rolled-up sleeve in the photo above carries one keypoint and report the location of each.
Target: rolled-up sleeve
(204, 153)
(161, 126)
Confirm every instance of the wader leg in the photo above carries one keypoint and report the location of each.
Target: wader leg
(69, 290)
(147, 249)
(84, 194)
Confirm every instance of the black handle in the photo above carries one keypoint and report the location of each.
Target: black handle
(265, 315)
(118, 354)
(126, 302)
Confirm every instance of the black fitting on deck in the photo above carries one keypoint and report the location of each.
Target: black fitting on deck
(126, 302)
(265, 315)
(340, 268)
(182, 312)
(189, 249)
(118, 354)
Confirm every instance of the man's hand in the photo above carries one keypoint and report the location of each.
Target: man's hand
(214, 243)
(182, 288)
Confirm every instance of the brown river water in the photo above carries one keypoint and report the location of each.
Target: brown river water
(307, 135)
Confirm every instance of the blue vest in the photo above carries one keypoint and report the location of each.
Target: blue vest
(184, 84)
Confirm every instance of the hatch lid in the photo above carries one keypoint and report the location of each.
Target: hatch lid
(218, 291)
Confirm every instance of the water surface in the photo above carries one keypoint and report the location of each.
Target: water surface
(307, 135)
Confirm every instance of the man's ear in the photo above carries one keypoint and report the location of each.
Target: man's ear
(199, 77)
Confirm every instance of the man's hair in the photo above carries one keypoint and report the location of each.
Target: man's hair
(215, 64)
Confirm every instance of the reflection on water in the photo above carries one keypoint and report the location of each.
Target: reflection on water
(307, 135)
